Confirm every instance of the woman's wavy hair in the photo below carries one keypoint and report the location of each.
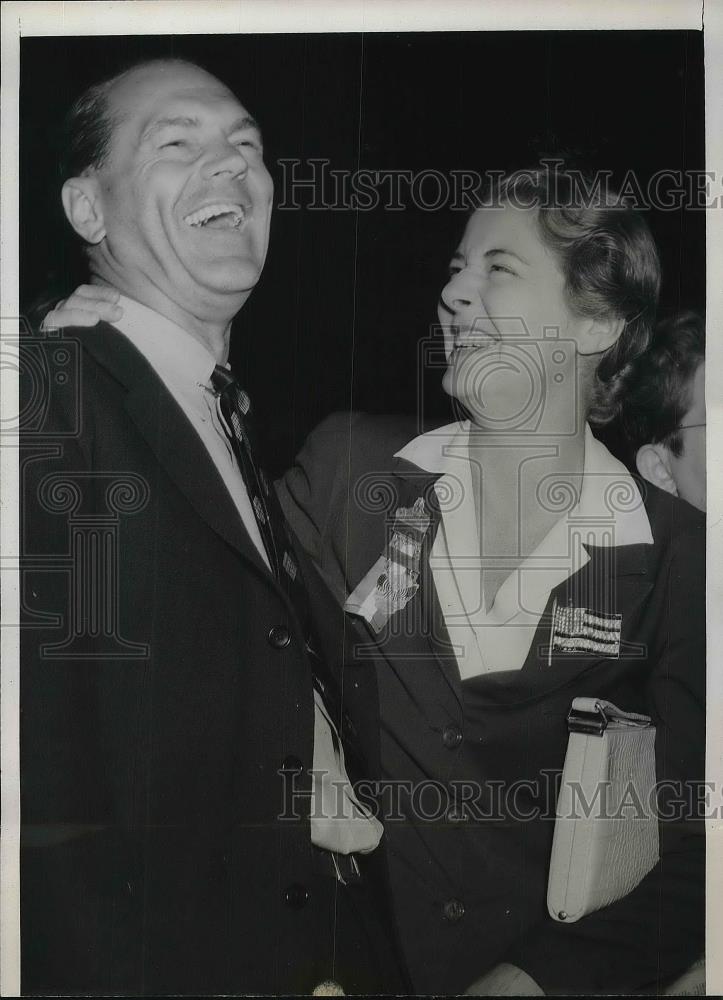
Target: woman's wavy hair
(608, 258)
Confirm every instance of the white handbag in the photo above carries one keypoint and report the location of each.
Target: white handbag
(606, 825)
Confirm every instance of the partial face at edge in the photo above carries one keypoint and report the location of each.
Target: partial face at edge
(185, 194)
(688, 469)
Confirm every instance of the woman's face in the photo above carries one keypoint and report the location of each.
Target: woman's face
(510, 336)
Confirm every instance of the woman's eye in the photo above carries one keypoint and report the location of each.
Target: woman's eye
(501, 269)
(453, 269)
(174, 143)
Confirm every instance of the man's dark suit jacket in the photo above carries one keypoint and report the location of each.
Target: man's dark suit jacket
(153, 860)
(470, 894)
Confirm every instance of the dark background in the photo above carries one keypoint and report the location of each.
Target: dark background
(346, 296)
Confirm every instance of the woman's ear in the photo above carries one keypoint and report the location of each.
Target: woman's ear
(653, 462)
(83, 210)
(597, 335)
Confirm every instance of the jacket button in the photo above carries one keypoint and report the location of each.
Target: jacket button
(451, 737)
(279, 636)
(292, 763)
(452, 910)
(296, 896)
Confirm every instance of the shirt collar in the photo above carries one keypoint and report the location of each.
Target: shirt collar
(609, 493)
(430, 452)
(179, 358)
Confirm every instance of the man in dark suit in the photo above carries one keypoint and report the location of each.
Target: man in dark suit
(175, 693)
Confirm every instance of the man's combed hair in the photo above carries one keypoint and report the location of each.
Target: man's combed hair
(87, 131)
(88, 126)
(659, 388)
(608, 258)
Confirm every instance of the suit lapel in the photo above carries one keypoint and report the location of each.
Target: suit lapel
(614, 581)
(172, 438)
(417, 632)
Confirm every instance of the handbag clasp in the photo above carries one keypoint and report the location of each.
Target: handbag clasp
(595, 718)
(581, 721)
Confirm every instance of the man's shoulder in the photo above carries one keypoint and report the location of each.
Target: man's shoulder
(670, 517)
(101, 345)
(678, 531)
(105, 358)
(107, 348)
(77, 377)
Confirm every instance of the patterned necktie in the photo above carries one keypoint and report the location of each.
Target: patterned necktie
(236, 411)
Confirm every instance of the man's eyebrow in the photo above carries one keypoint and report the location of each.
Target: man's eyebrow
(185, 121)
(246, 122)
(159, 123)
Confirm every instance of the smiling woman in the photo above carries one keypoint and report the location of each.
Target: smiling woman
(544, 265)
(550, 297)
(521, 567)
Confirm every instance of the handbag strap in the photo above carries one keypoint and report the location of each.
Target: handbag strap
(594, 715)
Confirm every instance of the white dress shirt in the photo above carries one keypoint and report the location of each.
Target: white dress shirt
(184, 364)
(609, 512)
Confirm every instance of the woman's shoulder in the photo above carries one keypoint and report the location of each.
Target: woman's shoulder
(363, 436)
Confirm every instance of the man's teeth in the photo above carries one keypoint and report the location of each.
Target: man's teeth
(203, 215)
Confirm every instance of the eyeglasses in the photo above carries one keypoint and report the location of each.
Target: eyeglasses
(685, 427)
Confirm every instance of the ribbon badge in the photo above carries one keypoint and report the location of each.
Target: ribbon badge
(392, 581)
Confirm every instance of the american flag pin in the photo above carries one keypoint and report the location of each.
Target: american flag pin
(582, 630)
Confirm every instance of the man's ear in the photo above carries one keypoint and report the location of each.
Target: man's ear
(83, 210)
(599, 334)
(653, 462)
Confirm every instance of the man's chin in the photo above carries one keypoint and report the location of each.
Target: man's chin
(228, 276)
